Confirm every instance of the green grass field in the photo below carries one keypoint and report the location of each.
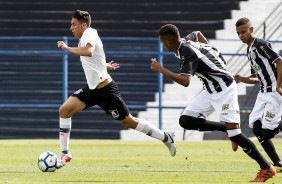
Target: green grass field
(141, 162)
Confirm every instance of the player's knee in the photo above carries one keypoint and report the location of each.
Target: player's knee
(268, 134)
(129, 122)
(64, 112)
(187, 122)
(127, 125)
(257, 129)
(256, 132)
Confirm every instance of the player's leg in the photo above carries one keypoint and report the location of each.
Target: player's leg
(264, 137)
(70, 107)
(73, 105)
(268, 107)
(266, 170)
(145, 127)
(113, 104)
(229, 112)
(198, 122)
(195, 114)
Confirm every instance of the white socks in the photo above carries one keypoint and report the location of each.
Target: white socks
(65, 128)
(150, 130)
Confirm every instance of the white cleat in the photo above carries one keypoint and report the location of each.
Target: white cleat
(63, 160)
(170, 143)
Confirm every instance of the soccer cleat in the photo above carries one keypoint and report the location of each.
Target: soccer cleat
(264, 174)
(278, 169)
(64, 159)
(170, 143)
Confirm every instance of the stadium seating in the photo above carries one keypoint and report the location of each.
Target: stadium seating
(37, 79)
(112, 17)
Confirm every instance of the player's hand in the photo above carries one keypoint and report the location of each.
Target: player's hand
(112, 65)
(62, 45)
(238, 78)
(155, 66)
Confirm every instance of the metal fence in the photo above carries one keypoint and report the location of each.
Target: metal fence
(64, 55)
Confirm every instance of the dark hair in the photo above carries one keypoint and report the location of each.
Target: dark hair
(169, 30)
(242, 21)
(82, 17)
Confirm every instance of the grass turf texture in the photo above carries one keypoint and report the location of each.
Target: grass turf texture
(141, 162)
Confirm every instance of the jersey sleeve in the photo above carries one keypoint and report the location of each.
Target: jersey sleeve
(188, 61)
(266, 50)
(88, 37)
(192, 36)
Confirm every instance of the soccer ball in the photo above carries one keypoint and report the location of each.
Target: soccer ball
(47, 161)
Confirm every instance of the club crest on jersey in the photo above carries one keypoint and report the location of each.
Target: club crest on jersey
(224, 107)
(256, 68)
(114, 113)
(269, 115)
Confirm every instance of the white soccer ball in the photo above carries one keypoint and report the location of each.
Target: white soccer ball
(47, 161)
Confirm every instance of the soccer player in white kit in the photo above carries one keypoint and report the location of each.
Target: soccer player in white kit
(199, 58)
(266, 69)
(100, 89)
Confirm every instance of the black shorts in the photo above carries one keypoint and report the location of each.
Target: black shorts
(108, 98)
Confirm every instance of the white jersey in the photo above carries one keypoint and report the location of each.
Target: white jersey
(94, 67)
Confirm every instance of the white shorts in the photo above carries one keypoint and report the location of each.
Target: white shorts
(268, 109)
(224, 103)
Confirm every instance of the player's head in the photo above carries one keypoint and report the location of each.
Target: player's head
(245, 30)
(169, 36)
(80, 21)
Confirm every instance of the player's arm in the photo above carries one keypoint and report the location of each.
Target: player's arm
(202, 38)
(197, 36)
(252, 79)
(279, 75)
(181, 79)
(88, 50)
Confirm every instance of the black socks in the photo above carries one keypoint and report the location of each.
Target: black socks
(250, 149)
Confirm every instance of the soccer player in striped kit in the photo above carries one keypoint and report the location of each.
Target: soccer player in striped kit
(199, 58)
(266, 69)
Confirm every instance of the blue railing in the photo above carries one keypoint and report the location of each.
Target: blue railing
(159, 53)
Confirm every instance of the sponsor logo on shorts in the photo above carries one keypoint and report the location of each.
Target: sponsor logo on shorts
(269, 115)
(114, 113)
(78, 91)
(224, 107)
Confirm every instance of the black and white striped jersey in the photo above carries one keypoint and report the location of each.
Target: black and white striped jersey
(262, 58)
(205, 62)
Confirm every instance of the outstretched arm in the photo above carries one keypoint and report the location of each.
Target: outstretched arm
(183, 80)
(279, 76)
(88, 50)
(252, 79)
(201, 38)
